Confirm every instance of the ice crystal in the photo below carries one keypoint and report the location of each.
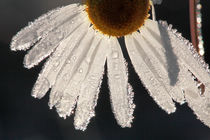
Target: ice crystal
(167, 64)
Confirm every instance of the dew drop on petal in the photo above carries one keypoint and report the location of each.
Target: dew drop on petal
(115, 55)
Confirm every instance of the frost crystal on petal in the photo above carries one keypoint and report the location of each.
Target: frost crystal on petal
(166, 61)
(57, 61)
(120, 91)
(175, 69)
(168, 65)
(72, 89)
(49, 43)
(196, 73)
(68, 70)
(148, 67)
(90, 87)
(40, 27)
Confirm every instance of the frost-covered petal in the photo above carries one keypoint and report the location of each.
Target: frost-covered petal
(165, 61)
(71, 66)
(120, 91)
(186, 54)
(146, 67)
(54, 64)
(48, 43)
(90, 87)
(197, 69)
(72, 90)
(200, 104)
(40, 27)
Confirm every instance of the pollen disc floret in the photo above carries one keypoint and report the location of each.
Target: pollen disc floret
(117, 17)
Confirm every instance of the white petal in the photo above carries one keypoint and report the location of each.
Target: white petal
(49, 42)
(187, 55)
(90, 88)
(37, 29)
(146, 67)
(70, 67)
(166, 61)
(71, 92)
(121, 97)
(194, 65)
(54, 64)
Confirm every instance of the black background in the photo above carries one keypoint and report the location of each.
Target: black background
(25, 118)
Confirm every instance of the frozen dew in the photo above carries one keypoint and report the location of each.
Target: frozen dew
(78, 53)
(115, 55)
(40, 89)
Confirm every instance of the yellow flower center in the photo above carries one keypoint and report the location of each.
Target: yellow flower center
(117, 17)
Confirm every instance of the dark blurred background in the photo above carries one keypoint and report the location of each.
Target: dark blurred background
(25, 118)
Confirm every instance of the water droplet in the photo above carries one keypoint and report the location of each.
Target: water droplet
(68, 61)
(117, 76)
(56, 64)
(174, 30)
(60, 36)
(92, 77)
(80, 70)
(170, 27)
(57, 31)
(201, 51)
(74, 58)
(115, 54)
(151, 79)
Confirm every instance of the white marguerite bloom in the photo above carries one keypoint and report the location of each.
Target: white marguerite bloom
(79, 39)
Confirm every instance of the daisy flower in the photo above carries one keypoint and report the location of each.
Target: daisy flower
(79, 39)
